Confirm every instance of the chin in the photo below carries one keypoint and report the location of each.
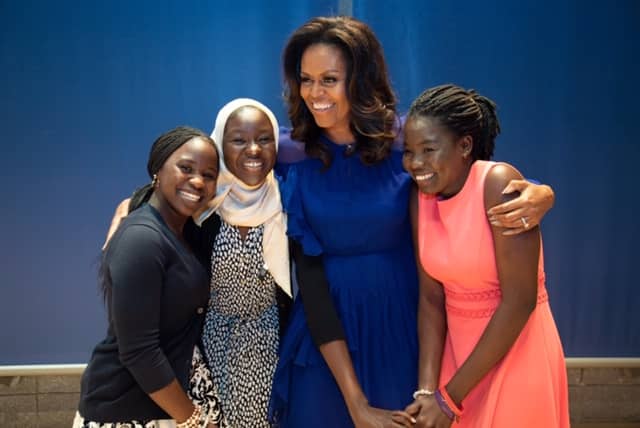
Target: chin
(427, 191)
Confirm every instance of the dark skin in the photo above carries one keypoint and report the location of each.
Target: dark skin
(517, 264)
(249, 148)
(190, 171)
(363, 415)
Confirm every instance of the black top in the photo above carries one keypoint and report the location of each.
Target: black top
(319, 309)
(159, 294)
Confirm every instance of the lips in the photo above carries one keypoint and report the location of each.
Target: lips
(190, 196)
(321, 107)
(253, 164)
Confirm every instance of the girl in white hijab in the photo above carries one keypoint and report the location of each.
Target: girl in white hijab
(244, 230)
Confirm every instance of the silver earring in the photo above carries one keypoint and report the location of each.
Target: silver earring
(155, 180)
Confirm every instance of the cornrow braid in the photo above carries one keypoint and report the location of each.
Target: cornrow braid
(464, 112)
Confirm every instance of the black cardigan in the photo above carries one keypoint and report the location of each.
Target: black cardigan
(156, 303)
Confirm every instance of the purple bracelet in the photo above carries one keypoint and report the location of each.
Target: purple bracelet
(443, 405)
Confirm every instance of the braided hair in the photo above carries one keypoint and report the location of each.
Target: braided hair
(161, 149)
(464, 112)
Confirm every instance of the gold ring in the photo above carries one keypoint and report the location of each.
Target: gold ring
(524, 222)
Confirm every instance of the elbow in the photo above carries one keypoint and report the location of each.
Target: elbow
(434, 297)
(530, 305)
(526, 305)
(552, 197)
(521, 307)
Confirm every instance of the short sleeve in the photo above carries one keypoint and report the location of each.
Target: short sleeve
(297, 227)
(136, 263)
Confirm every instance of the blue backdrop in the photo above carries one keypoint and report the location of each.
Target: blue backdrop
(87, 86)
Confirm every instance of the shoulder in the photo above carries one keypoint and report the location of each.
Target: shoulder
(497, 178)
(289, 151)
(139, 232)
(398, 142)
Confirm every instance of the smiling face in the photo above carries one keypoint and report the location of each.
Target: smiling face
(249, 145)
(437, 159)
(187, 180)
(323, 76)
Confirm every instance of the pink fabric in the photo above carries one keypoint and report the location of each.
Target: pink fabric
(528, 388)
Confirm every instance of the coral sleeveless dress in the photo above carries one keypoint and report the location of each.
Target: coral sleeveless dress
(528, 387)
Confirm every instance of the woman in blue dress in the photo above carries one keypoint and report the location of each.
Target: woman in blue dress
(349, 357)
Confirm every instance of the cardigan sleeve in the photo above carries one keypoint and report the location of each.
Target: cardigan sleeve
(136, 266)
(201, 238)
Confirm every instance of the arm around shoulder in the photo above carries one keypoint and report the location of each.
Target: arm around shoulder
(121, 212)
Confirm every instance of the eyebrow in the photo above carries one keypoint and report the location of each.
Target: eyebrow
(427, 140)
(240, 130)
(333, 70)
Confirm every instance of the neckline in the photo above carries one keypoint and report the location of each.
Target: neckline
(346, 148)
(463, 190)
(181, 241)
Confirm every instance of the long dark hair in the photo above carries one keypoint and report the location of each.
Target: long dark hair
(373, 118)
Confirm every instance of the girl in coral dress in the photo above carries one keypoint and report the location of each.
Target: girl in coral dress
(490, 354)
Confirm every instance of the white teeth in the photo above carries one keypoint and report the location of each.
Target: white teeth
(189, 196)
(424, 177)
(254, 164)
(321, 107)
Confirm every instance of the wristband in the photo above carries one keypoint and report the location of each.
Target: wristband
(447, 405)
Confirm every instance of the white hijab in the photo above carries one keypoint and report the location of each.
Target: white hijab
(242, 205)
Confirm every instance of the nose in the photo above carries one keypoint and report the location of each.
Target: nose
(253, 148)
(197, 181)
(417, 161)
(316, 89)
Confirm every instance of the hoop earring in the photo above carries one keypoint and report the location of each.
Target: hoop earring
(155, 181)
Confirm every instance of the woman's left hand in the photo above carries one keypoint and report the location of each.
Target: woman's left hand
(524, 212)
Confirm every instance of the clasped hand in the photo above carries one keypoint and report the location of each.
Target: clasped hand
(366, 416)
(427, 413)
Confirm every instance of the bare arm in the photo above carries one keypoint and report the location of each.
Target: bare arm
(531, 204)
(432, 320)
(328, 334)
(121, 212)
(517, 264)
(338, 359)
(432, 329)
(173, 400)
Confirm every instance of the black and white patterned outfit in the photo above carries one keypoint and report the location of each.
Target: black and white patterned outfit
(241, 332)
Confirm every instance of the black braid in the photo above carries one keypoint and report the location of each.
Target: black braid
(463, 112)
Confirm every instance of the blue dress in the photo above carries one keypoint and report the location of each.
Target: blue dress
(357, 217)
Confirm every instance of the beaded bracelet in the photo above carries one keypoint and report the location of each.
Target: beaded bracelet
(422, 393)
(447, 405)
(195, 420)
